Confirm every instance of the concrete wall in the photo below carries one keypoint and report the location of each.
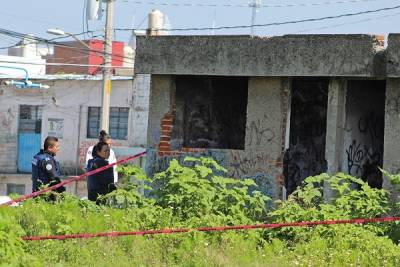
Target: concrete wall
(391, 159)
(393, 56)
(78, 188)
(69, 100)
(8, 133)
(289, 55)
(266, 120)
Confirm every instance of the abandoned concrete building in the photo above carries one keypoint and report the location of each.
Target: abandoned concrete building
(297, 105)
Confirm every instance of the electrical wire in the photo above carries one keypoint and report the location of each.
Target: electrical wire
(274, 23)
(348, 23)
(63, 64)
(85, 50)
(245, 5)
(34, 39)
(78, 49)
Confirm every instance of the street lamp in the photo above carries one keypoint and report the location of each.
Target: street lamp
(63, 33)
(107, 67)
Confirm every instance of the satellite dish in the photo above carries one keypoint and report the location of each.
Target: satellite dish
(93, 9)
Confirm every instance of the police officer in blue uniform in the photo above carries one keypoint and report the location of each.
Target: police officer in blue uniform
(45, 168)
(101, 183)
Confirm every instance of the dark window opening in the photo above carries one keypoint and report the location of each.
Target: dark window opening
(118, 122)
(93, 126)
(364, 135)
(213, 111)
(306, 153)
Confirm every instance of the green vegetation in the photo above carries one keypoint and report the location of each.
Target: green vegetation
(195, 194)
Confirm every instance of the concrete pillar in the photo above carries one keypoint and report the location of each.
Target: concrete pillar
(160, 101)
(391, 158)
(336, 115)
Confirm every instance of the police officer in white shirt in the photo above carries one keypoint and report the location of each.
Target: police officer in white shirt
(104, 137)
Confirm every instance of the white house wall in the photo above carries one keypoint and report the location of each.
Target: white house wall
(69, 100)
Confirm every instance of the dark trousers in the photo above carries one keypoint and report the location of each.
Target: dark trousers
(93, 194)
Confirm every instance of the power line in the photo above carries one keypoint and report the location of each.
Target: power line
(47, 41)
(62, 64)
(34, 39)
(85, 50)
(348, 23)
(275, 23)
(245, 5)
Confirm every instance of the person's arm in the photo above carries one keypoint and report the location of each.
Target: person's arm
(49, 167)
(113, 159)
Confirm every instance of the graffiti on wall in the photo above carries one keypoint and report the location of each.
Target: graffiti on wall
(258, 166)
(258, 132)
(239, 164)
(306, 153)
(155, 163)
(393, 106)
(242, 163)
(364, 156)
(6, 121)
(301, 162)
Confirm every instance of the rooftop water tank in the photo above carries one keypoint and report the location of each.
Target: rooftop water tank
(156, 22)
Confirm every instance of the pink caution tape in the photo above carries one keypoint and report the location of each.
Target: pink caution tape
(212, 229)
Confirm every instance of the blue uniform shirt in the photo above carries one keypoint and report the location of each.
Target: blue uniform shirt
(100, 183)
(45, 170)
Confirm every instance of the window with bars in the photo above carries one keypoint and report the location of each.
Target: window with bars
(118, 122)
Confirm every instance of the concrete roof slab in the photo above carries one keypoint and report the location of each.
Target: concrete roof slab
(290, 55)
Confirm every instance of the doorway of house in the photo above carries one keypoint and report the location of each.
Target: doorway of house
(362, 154)
(29, 135)
(305, 155)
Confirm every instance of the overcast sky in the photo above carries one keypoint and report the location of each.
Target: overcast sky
(35, 16)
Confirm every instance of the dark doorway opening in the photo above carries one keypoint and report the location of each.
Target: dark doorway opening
(364, 130)
(306, 153)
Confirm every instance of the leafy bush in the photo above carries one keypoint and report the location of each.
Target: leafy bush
(307, 204)
(195, 194)
(197, 191)
(128, 195)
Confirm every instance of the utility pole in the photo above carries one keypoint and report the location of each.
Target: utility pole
(107, 71)
(255, 5)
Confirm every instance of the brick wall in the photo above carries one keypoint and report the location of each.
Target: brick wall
(164, 146)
